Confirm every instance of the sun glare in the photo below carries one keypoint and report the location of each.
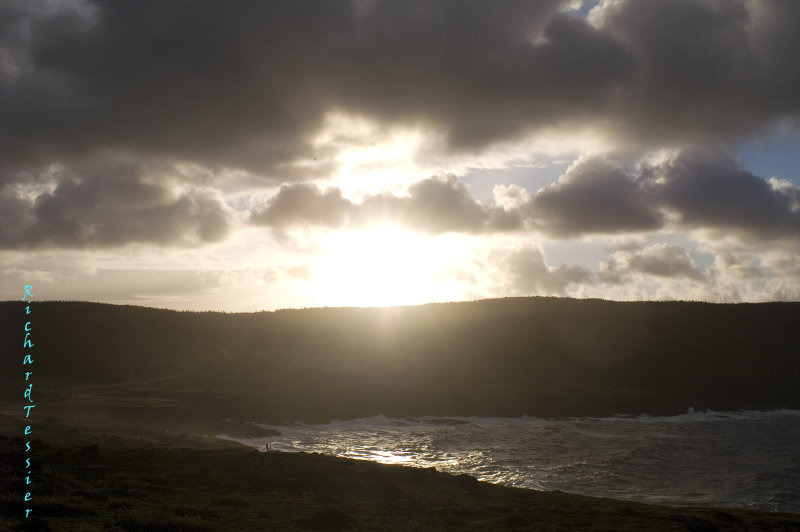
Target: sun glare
(370, 157)
(383, 266)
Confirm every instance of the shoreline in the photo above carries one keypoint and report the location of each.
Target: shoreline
(639, 459)
(156, 480)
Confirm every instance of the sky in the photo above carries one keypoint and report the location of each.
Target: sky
(243, 155)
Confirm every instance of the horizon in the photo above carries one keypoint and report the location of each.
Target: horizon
(411, 306)
(241, 157)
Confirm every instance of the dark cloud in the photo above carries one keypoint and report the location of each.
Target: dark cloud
(693, 190)
(705, 69)
(87, 210)
(708, 189)
(696, 189)
(304, 204)
(594, 196)
(434, 205)
(223, 84)
(244, 84)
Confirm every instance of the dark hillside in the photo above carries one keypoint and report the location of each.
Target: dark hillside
(540, 356)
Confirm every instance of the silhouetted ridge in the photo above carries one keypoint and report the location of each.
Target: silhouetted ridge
(540, 356)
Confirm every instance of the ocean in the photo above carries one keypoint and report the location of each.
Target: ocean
(747, 459)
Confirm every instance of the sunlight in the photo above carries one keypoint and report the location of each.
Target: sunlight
(369, 156)
(384, 266)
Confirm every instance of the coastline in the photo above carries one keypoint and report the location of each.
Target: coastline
(119, 445)
(158, 480)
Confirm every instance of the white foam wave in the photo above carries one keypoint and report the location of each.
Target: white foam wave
(387, 423)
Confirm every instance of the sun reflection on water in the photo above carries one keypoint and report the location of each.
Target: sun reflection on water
(643, 459)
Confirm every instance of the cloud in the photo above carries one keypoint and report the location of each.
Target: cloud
(434, 205)
(695, 190)
(246, 85)
(439, 204)
(657, 260)
(219, 85)
(738, 271)
(596, 195)
(304, 204)
(529, 274)
(95, 210)
(708, 189)
(704, 68)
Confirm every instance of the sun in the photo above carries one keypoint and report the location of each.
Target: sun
(383, 266)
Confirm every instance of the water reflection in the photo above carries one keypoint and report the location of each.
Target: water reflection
(746, 459)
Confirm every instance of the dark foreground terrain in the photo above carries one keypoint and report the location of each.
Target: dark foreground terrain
(124, 396)
(149, 481)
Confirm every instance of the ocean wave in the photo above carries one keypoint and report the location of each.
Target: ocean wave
(382, 421)
(745, 458)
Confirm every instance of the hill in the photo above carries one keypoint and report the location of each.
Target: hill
(505, 357)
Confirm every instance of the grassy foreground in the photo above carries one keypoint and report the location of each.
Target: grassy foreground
(86, 481)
